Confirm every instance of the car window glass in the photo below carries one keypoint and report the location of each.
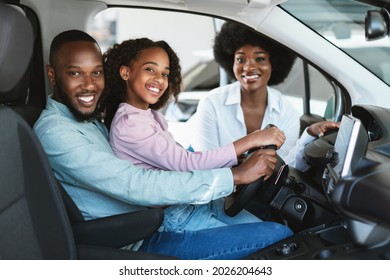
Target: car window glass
(191, 36)
(343, 24)
(314, 84)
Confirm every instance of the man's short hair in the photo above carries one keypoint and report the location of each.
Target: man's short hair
(65, 37)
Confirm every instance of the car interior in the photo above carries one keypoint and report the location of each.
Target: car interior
(338, 209)
(49, 224)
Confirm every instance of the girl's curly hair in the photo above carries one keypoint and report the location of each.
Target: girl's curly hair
(233, 36)
(125, 54)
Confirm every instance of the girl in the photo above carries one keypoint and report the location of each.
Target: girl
(141, 76)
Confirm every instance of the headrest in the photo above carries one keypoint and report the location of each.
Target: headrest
(16, 47)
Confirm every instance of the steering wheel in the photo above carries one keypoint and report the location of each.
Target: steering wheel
(240, 198)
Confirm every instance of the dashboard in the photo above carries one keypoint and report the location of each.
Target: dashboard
(339, 209)
(358, 188)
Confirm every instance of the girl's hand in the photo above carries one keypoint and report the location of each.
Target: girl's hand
(259, 138)
(269, 136)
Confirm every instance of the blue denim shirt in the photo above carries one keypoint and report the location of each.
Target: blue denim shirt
(102, 184)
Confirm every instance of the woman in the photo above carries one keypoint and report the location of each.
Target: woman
(248, 103)
(143, 76)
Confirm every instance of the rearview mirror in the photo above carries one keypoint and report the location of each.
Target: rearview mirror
(377, 24)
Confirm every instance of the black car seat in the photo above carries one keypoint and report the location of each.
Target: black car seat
(15, 66)
(34, 223)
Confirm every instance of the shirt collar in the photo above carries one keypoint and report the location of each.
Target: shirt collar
(234, 97)
(63, 109)
(274, 99)
(234, 94)
(60, 107)
(131, 109)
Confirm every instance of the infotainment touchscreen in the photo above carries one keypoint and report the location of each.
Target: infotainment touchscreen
(350, 146)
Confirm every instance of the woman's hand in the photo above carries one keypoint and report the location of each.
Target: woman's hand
(319, 129)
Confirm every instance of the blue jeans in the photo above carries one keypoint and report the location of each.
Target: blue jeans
(221, 243)
(202, 216)
(206, 232)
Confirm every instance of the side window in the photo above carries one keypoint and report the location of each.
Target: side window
(306, 83)
(188, 34)
(192, 37)
(293, 87)
(322, 95)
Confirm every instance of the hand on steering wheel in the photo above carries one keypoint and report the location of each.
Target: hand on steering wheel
(244, 193)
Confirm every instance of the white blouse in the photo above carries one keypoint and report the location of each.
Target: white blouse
(219, 120)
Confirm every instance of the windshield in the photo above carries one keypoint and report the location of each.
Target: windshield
(342, 23)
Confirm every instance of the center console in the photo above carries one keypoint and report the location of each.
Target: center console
(348, 236)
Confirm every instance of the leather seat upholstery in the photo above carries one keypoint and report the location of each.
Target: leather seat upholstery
(34, 222)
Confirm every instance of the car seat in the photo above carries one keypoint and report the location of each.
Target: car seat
(15, 64)
(34, 223)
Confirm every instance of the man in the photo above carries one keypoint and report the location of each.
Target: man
(102, 185)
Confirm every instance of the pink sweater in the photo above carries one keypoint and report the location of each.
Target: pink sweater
(142, 137)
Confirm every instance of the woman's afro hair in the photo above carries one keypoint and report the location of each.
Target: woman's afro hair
(234, 36)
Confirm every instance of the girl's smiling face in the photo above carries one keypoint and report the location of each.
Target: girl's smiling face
(146, 78)
(252, 68)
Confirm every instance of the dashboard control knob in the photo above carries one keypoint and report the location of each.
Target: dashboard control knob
(287, 248)
(299, 206)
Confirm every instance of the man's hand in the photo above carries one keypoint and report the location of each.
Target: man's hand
(260, 163)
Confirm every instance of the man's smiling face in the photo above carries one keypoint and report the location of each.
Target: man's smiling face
(77, 77)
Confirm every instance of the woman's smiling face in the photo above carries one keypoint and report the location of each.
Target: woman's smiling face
(252, 67)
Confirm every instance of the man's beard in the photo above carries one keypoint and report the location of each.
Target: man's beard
(77, 114)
